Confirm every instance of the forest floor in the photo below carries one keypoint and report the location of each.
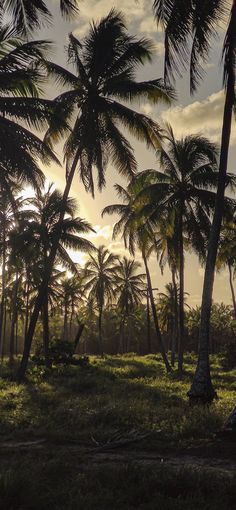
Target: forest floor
(117, 433)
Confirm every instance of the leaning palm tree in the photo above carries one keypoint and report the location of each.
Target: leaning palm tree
(189, 27)
(130, 290)
(30, 15)
(186, 186)
(99, 282)
(105, 63)
(137, 233)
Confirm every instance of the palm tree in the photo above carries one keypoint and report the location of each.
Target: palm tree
(227, 255)
(137, 234)
(40, 233)
(21, 109)
(99, 282)
(72, 294)
(167, 248)
(189, 166)
(130, 290)
(29, 15)
(105, 64)
(189, 26)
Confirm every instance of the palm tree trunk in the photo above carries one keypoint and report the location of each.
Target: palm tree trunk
(3, 280)
(181, 294)
(175, 337)
(26, 307)
(100, 332)
(13, 321)
(154, 313)
(46, 278)
(231, 282)
(46, 330)
(65, 326)
(202, 389)
(78, 336)
(149, 346)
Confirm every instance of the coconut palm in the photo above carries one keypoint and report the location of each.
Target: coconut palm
(29, 15)
(105, 63)
(22, 109)
(99, 282)
(130, 290)
(39, 234)
(167, 248)
(72, 295)
(137, 234)
(189, 27)
(186, 186)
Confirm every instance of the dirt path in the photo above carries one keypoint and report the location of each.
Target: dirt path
(218, 456)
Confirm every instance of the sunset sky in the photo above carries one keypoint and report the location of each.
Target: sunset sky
(201, 113)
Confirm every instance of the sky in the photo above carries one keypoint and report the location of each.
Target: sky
(201, 113)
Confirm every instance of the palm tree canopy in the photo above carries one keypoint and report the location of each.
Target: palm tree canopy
(136, 231)
(99, 276)
(187, 183)
(130, 286)
(40, 231)
(22, 109)
(30, 15)
(95, 102)
(189, 26)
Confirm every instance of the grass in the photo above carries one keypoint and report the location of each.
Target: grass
(82, 405)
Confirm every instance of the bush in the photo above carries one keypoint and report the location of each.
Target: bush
(60, 351)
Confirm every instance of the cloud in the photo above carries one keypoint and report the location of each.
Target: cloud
(203, 117)
(138, 14)
(148, 26)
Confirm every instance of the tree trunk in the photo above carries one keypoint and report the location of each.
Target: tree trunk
(100, 332)
(3, 281)
(181, 294)
(45, 281)
(78, 336)
(231, 282)
(13, 321)
(149, 345)
(155, 318)
(65, 326)
(202, 389)
(46, 331)
(27, 307)
(175, 337)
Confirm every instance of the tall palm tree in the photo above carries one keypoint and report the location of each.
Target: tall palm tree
(185, 186)
(40, 233)
(130, 290)
(137, 234)
(189, 27)
(99, 282)
(30, 15)
(72, 295)
(105, 64)
(167, 248)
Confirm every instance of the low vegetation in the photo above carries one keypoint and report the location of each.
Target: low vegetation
(96, 428)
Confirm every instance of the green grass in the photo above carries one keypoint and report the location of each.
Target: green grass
(87, 404)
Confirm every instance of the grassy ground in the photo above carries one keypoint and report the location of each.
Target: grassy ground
(76, 411)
